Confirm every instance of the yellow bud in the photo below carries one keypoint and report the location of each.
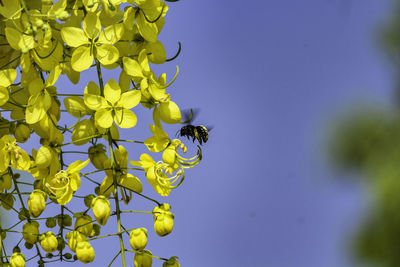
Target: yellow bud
(143, 259)
(74, 237)
(138, 238)
(17, 260)
(22, 133)
(97, 156)
(83, 224)
(172, 262)
(37, 203)
(31, 232)
(48, 242)
(163, 219)
(84, 252)
(101, 209)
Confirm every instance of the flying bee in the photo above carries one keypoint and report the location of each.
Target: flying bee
(199, 133)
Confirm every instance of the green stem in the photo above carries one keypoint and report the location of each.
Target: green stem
(110, 141)
(118, 210)
(22, 204)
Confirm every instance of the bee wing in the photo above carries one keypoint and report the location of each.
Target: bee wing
(189, 115)
(209, 127)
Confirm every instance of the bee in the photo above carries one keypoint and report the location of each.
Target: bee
(199, 133)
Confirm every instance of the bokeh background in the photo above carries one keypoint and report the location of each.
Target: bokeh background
(302, 165)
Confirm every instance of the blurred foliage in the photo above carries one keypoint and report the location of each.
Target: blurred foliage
(368, 142)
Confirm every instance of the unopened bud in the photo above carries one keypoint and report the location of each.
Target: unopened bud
(97, 156)
(37, 203)
(138, 238)
(48, 242)
(83, 224)
(31, 232)
(172, 262)
(85, 252)
(143, 259)
(163, 219)
(101, 209)
(17, 260)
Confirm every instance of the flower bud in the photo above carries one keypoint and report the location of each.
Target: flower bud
(64, 221)
(48, 242)
(83, 224)
(143, 259)
(5, 181)
(61, 243)
(7, 201)
(28, 245)
(37, 203)
(84, 252)
(88, 200)
(96, 230)
(163, 219)
(101, 209)
(51, 222)
(31, 232)
(74, 237)
(138, 238)
(97, 156)
(17, 260)
(172, 262)
(23, 214)
(22, 132)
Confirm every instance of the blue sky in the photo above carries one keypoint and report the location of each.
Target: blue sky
(270, 76)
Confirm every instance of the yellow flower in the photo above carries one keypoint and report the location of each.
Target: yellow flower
(157, 174)
(92, 42)
(114, 106)
(85, 252)
(65, 183)
(127, 180)
(153, 89)
(48, 242)
(138, 238)
(159, 141)
(40, 100)
(12, 154)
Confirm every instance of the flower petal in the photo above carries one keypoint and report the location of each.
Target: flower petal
(82, 58)
(107, 54)
(91, 25)
(125, 118)
(74, 37)
(112, 91)
(130, 99)
(103, 118)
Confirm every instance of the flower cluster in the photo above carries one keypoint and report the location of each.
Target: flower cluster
(41, 42)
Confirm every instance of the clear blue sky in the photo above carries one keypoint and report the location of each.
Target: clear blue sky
(269, 76)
